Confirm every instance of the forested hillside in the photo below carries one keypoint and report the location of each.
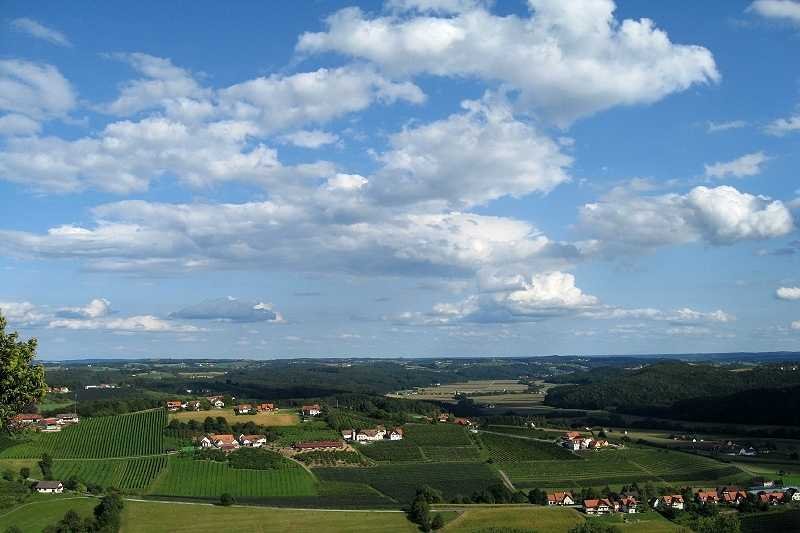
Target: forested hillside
(685, 390)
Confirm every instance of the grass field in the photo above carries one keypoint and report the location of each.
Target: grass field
(41, 512)
(112, 436)
(449, 391)
(400, 481)
(209, 479)
(123, 474)
(308, 431)
(280, 418)
(502, 448)
(148, 517)
(542, 519)
(618, 466)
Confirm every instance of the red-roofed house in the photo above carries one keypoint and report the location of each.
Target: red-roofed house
(674, 501)
(593, 507)
(266, 407)
(560, 498)
(173, 405)
(252, 441)
(243, 409)
(771, 498)
(732, 495)
(707, 496)
(311, 410)
(628, 504)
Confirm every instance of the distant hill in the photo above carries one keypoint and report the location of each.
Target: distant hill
(686, 391)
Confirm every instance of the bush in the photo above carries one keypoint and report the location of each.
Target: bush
(226, 500)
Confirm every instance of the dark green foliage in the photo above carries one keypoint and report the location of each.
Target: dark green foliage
(72, 523)
(46, 466)
(21, 382)
(226, 500)
(594, 526)
(12, 529)
(108, 513)
(399, 451)
(437, 522)
(332, 458)
(537, 496)
(12, 493)
(771, 522)
(419, 512)
(24, 472)
(257, 459)
(437, 435)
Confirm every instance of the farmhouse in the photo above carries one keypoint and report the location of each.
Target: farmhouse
(674, 501)
(244, 409)
(443, 417)
(560, 498)
(174, 405)
(266, 407)
(26, 419)
(311, 410)
(319, 445)
(49, 487)
(193, 405)
(771, 498)
(371, 435)
(732, 495)
(595, 507)
(628, 504)
(216, 401)
(225, 442)
(706, 496)
(395, 434)
(58, 390)
(252, 441)
(49, 424)
(462, 421)
(68, 418)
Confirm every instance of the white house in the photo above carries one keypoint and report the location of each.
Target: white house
(593, 507)
(252, 441)
(560, 498)
(311, 410)
(675, 501)
(49, 487)
(395, 434)
(216, 401)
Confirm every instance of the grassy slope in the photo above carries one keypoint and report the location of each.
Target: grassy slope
(146, 517)
(45, 510)
(542, 519)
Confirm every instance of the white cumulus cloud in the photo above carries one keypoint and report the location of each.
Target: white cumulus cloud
(788, 293)
(785, 10)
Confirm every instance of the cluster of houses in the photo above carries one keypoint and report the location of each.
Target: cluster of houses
(36, 421)
(229, 443)
(443, 418)
(765, 493)
(193, 405)
(575, 441)
(378, 433)
(598, 506)
(100, 386)
(249, 409)
(311, 410)
(58, 390)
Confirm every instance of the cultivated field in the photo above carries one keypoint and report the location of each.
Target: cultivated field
(437, 435)
(542, 519)
(280, 418)
(449, 391)
(618, 466)
(210, 479)
(128, 435)
(123, 474)
(400, 481)
(504, 448)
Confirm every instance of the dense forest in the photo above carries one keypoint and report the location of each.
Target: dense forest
(765, 394)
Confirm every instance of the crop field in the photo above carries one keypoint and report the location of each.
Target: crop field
(209, 479)
(400, 481)
(549, 519)
(309, 431)
(437, 435)
(451, 453)
(112, 436)
(502, 448)
(401, 451)
(617, 466)
(477, 387)
(124, 474)
(273, 419)
(332, 458)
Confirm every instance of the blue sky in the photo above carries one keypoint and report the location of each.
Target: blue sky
(414, 177)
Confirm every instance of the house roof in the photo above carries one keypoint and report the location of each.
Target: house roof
(27, 416)
(310, 407)
(224, 438)
(589, 504)
(558, 496)
(49, 485)
(254, 437)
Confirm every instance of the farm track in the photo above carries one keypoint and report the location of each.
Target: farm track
(511, 435)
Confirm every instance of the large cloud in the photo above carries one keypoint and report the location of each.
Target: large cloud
(569, 59)
(469, 158)
(34, 90)
(718, 216)
(231, 310)
(132, 324)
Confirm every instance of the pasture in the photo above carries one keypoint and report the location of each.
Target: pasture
(126, 435)
(543, 519)
(282, 417)
(400, 481)
(209, 479)
(40, 512)
(154, 517)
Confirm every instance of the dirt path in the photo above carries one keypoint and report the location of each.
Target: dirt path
(507, 481)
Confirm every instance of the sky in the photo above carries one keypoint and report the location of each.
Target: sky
(408, 178)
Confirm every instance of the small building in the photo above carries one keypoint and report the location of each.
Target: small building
(395, 434)
(674, 501)
(244, 409)
(223, 441)
(319, 445)
(628, 505)
(26, 419)
(266, 407)
(311, 410)
(771, 498)
(560, 498)
(49, 487)
(462, 422)
(443, 417)
(252, 441)
(597, 507)
(371, 435)
(732, 495)
(706, 496)
(192, 405)
(50, 424)
(174, 405)
(68, 418)
(216, 401)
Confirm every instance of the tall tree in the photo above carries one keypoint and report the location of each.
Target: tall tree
(21, 382)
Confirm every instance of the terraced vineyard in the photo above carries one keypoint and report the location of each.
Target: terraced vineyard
(437, 435)
(401, 451)
(402, 480)
(126, 435)
(617, 466)
(503, 448)
(451, 453)
(210, 479)
(124, 474)
(309, 431)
